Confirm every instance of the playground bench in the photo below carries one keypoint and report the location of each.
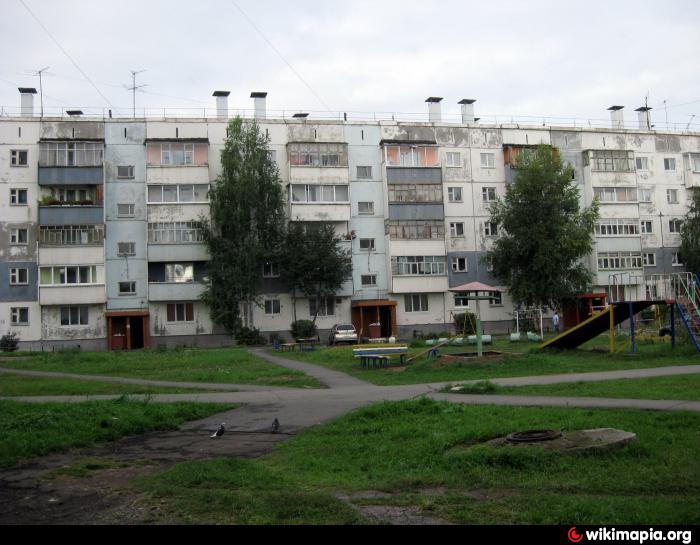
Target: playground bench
(380, 357)
(374, 361)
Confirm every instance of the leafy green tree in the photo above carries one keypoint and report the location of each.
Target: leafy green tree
(690, 234)
(314, 264)
(544, 233)
(246, 225)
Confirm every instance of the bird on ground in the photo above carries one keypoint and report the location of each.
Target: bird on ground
(275, 426)
(220, 431)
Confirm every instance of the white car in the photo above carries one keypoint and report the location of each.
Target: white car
(342, 333)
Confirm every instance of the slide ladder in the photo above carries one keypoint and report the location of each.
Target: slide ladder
(688, 304)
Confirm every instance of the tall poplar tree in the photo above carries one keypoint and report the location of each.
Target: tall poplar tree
(690, 234)
(246, 225)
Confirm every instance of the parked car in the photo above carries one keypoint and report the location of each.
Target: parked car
(342, 333)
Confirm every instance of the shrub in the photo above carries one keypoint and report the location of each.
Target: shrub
(9, 342)
(468, 319)
(249, 337)
(304, 329)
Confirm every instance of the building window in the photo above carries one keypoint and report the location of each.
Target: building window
(454, 159)
(127, 288)
(70, 235)
(645, 194)
(19, 316)
(19, 236)
(415, 193)
(18, 197)
(178, 193)
(615, 194)
(456, 230)
(272, 306)
(322, 307)
(695, 162)
(179, 272)
(179, 232)
(416, 230)
(619, 260)
(368, 280)
(125, 172)
(180, 312)
(320, 193)
(126, 210)
(71, 154)
(647, 227)
(674, 226)
(454, 194)
(19, 277)
(488, 194)
(364, 173)
(125, 249)
(490, 229)
(496, 299)
(617, 227)
(367, 244)
(411, 156)
(488, 160)
(272, 155)
(642, 163)
(461, 302)
(57, 276)
(459, 264)
(669, 163)
(19, 158)
(365, 208)
(610, 160)
(271, 270)
(418, 265)
(176, 154)
(318, 155)
(650, 260)
(676, 259)
(74, 315)
(416, 303)
(672, 196)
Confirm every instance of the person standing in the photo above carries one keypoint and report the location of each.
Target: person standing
(555, 321)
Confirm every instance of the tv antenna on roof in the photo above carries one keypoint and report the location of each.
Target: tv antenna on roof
(41, 91)
(134, 87)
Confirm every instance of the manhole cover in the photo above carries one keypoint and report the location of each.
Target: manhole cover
(533, 436)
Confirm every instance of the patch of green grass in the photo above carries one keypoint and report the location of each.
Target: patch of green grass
(34, 429)
(84, 467)
(224, 366)
(17, 385)
(681, 387)
(403, 448)
(519, 359)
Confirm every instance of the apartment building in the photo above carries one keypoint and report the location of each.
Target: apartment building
(99, 245)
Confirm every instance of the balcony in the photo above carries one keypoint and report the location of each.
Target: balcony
(419, 284)
(183, 174)
(414, 175)
(320, 211)
(177, 252)
(57, 175)
(93, 294)
(70, 255)
(175, 291)
(71, 215)
(74, 235)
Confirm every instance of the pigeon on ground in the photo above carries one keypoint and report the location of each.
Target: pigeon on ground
(275, 426)
(220, 431)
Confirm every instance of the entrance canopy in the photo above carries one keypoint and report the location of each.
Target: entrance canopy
(476, 288)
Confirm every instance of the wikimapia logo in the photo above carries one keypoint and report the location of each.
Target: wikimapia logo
(637, 536)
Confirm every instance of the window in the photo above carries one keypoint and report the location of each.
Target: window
(610, 160)
(18, 197)
(676, 259)
(177, 193)
(416, 230)
(416, 303)
(19, 236)
(619, 260)
(126, 172)
(320, 193)
(645, 194)
(272, 306)
(19, 158)
(647, 227)
(127, 288)
(461, 302)
(271, 270)
(496, 299)
(674, 226)
(176, 154)
(415, 193)
(74, 315)
(126, 210)
(669, 163)
(179, 232)
(615, 194)
(368, 280)
(318, 155)
(365, 208)
(695, 162)
(126, 249)
(488, 194)
(454, 159)
(71, 235)
(642, 163)
(456, 230)
(19, 277)
(367, 244)
(179, 272)
(322, 307)
(71, 154)
(459, 264)
(454, 194)
(488, 160)
(411, 156)
(490, 229)
(19, 315)
(672, 196)
(650, 260)
(180, 312)
(364, 172)
(418, 265)
(57, 276)
(272, 155)
(617, 227)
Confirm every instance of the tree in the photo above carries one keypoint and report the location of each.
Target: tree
(313, 263)
(246, 225)
(690, 234)
(544, 233)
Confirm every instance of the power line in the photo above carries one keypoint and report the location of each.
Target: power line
(65, 52)
(297, 74)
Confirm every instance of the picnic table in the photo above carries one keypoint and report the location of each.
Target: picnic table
(379, 356)
(307, 344)
(288, 347)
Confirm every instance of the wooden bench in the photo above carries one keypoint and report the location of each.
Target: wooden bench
(380, 356)
(288, 347)
(368, 361)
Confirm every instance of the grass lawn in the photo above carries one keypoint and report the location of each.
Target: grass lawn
(683, 387)
(520, 359)
(409, 453)
(225, 366)
(28, 429)
(16, 385)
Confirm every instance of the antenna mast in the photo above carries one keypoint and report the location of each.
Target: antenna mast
(41, 90)
(134, 87)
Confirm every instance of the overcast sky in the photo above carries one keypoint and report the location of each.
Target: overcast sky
(517, 58)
